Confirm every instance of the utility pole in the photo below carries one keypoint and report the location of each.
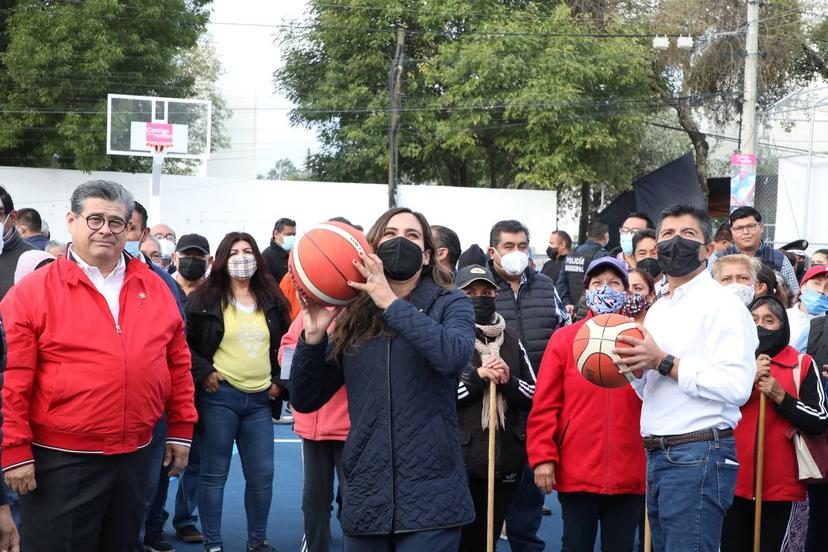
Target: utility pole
(751, 63)
(394, 89)
(743, 164)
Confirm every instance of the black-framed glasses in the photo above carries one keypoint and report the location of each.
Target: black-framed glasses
(96, 222)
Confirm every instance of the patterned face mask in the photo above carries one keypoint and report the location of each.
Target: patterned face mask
(605, 300)
(242, 267)
(635, 304)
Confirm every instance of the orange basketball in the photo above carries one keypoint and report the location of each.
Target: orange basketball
(321, 263)
(593, 347)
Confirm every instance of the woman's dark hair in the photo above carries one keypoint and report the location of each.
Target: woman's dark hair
(777, 308)
(648, 278)
(646, 233)
(768, 277)
(216, 288)
(362, 319)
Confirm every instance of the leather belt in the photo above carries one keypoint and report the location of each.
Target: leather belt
(656, 442)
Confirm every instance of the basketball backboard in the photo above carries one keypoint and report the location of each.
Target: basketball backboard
(134, 124)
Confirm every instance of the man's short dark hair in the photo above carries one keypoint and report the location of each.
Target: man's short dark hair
(6, 199)
(821, 252)
(723, 233)
(597, 229)
(102, 189)
(511, 226)
(281, 223)
(565, 237)
(446, 237)
(642, 216)
(646, 233)
(343, 220)
(681, 209)
(30, 218)
(745, 212)
(144, 216)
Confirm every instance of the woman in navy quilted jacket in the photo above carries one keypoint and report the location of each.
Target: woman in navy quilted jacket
(399, 349)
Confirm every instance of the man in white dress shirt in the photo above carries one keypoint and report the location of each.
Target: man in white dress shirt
(698, 357)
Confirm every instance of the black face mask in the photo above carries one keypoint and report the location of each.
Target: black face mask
(678, 256)
(649, 266)
(192, 268)
(551, 253)
(401, 258)
(771, 342)
(484, 310)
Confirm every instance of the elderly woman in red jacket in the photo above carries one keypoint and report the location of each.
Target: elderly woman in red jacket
(584, 440)
(804, 408)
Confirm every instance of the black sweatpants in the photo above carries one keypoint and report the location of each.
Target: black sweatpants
(85, 502)
(817, 516)
(473, 538)
(618, 514)
(320, 460)
(737, 530)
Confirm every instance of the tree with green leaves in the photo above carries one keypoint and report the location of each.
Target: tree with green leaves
(499, 94)
(59, 60)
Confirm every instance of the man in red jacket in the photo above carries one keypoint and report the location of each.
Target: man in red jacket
(96, 354)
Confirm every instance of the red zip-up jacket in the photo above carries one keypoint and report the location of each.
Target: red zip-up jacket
(780, 479)
(592, 434)
(77, 380)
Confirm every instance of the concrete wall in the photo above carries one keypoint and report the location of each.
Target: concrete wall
(214, 206)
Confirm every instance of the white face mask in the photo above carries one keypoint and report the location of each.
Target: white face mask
(515, 262)
(743, 292)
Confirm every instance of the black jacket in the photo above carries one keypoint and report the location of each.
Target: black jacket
(205, 330)
(553, 267)
(8, 261)
(277, 261)
(402, 460)
(534, 313)
(510, 442)
(570, 282)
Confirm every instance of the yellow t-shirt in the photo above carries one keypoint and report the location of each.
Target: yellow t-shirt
(243, 356)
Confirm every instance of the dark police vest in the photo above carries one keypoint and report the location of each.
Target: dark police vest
(818, 341)
(576, 264)
(767, 254)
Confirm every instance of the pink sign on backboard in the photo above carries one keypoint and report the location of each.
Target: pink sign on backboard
(159, 134)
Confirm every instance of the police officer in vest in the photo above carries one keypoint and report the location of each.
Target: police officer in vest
(747, 228)
(818, 493)
(570, 282)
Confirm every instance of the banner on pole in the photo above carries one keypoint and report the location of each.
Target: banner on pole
(742, 180)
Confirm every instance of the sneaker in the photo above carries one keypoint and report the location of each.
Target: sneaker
(158, 544)
(189, 533)
(214, 548)
(547, 511)
(261, 547)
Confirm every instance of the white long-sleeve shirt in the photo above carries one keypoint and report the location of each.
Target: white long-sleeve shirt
(712, 334)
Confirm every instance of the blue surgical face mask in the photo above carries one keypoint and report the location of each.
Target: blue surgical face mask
(626, 244)
(815, 302)
(133, 247)
(288, 242)
(605, 300)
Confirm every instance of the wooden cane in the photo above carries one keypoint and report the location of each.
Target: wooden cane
(492, 430)
(648, 541)
(760, 468)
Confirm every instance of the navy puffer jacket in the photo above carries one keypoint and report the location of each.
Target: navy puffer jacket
(402, 458)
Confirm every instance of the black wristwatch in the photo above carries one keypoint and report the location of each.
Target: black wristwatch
(666, 365)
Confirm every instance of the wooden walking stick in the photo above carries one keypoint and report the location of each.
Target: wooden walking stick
(648, 542)
(492, 430)
(760, 468)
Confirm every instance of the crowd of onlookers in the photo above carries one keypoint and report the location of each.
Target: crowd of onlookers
(133, 354)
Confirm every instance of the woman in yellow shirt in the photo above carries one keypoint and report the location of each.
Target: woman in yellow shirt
(235, 322)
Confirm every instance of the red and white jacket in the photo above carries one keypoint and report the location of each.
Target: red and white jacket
(592, 434)
(329, 423)
(78, 381)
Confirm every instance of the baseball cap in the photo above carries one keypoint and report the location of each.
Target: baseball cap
(473, 273)
(818, 271)
(193, 241)
(602, 263)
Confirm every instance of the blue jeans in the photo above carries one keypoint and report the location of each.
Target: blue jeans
(689, 490)
(186, 499)
(157, 446)
(229, 416)
(525, 515)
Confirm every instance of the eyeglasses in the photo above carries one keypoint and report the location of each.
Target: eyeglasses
(625, 230)
(96, 222)
(747, 228)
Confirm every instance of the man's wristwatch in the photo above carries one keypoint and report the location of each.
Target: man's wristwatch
(666, 365)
